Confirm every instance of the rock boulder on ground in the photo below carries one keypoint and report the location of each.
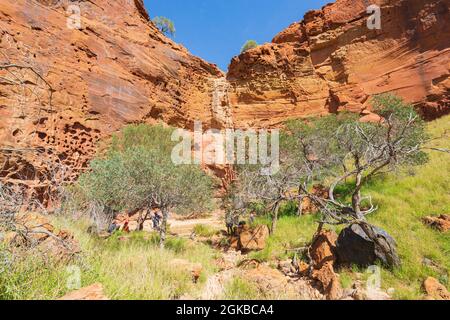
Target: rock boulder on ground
(61, 247)
(360, 291)
(435, 290)
(33, 230)
(35, 225)
(272, 284)
(323, 257)
(253, 239)
(93, 292)
(355, 247)
(441, 223)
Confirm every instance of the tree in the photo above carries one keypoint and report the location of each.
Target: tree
(165, 25)
(340, 151)
(343, 148)
(138, 175)
(344, 151)
(270, 190)
(250, 44)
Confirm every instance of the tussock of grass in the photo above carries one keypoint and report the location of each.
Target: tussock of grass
(240, 289)
(203, 230)
(36, 278)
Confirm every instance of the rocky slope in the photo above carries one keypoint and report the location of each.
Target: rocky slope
(84, 83)
(332, 61)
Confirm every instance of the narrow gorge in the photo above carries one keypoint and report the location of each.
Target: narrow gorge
(119, 69)
(105, 178)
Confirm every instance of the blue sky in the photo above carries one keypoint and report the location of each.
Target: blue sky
(215, 30)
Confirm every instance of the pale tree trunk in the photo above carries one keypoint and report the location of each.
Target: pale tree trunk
(275, 217)
(300, 205)
(300, 202)
(163, 228)
(356, 197)
(140, 222)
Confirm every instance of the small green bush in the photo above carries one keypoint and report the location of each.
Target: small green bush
(250, 44)
(138, 173)
(165, 25)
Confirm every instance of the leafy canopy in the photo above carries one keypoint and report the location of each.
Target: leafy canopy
(250, 44)
(165, 25)
(138, 173)
(340, 151)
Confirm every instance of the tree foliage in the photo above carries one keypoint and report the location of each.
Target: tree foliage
(138, 174)
(250, 44)
(339, 148)
(339, 151)
(165, 25)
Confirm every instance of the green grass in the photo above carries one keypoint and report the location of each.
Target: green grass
(292, 232)
(138, 269)
(404, 199)
(132, 269)
(203, 230)
(34, 277)
(240, 289)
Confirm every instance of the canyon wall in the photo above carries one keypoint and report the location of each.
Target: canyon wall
(65, 84)
(331, 61)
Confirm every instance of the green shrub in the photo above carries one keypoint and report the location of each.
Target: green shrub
(250, 44)
(138, 173)
(165, 25)
(177, 245)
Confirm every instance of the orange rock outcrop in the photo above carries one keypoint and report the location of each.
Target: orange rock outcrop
(331, 61)
(67, 83)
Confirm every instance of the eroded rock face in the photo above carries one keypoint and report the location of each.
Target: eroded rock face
(86, 83)
(331, 61)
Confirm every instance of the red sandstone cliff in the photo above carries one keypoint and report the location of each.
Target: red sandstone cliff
(66, 89)
(331, 61)
(83, 84)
